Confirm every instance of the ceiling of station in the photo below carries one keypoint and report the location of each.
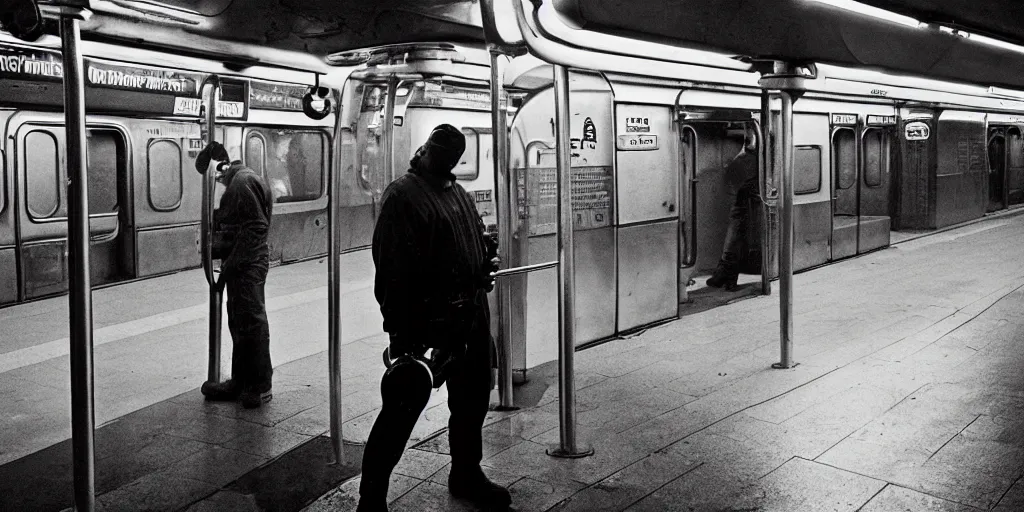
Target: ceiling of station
(812, 30)
(788, 29)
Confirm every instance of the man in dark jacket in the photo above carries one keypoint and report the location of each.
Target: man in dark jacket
(433, 274)
(741, 174)
(240, 240)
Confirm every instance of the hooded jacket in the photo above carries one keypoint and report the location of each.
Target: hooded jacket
(430, 253)
(243, 220)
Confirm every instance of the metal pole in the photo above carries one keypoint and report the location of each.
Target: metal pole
(568, 446)
(503, 198)
(206, 239)
(786, 236)
(80, 296)
(765, 154)
(388, 130)
(334, 290)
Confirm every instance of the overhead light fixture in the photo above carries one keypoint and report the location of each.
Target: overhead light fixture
(996, 42)
(872, 11)
(1006, 93)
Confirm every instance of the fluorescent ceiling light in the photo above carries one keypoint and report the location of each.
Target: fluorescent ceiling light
(995, 42)
(875, 12)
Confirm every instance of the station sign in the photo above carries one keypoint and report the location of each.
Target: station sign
(194, 107)
(273, 96)
(437, 95)
(638, 124)
(139, 78)
(881, 120)
(637, 142)
(917, 131)
(30, 64)
(844, 119)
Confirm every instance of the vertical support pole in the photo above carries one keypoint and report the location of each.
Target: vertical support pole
(503, 199)
(568, 446)
(334, 288)
(388, 130)
(764, 151)
(206, 238)
(83, 417)
(786, 236)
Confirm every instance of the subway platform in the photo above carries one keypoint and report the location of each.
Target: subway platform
(908, 395)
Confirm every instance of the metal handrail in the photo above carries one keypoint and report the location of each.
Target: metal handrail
(524, 269)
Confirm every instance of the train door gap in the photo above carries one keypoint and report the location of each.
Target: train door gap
(709, 146)
(998, 158)
(110, 207)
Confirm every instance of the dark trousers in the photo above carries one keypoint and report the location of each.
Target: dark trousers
(469, 391)
(735, 249)
(250, 331)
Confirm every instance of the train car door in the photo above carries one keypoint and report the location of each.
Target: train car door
(845, 180)
(39, 147)
(874, 222)
(1015, 165)
(997, 156)
(913, 204)
(8, 247)
(709, 140)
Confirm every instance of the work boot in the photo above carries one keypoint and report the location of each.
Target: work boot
(252, 399)
(227, 391)
(474, 486)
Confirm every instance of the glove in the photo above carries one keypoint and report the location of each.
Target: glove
(492, 266)
(400, 346)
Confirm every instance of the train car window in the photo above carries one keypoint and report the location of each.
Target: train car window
(256, 154)
(844, 158)
(469, 167)
(806, 169)
(103, 158)
(164, 168)
(876, 157)
(42, 171)
(1015, 143)
(294, 164)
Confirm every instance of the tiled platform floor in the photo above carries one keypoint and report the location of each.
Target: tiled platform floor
(908, 395)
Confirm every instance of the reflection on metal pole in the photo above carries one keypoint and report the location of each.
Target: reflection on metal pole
(387, 132)
(786, 235)
(568, 446)
(83, 417)
(334, 285)
(767, 197)
(503, 185)
(211, 90)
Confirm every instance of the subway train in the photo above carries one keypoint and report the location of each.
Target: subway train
(144, 133)
(875, 154)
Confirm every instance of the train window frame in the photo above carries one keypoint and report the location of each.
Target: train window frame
(263, 161)
(121, 165)
(149, 175)
(474, 162)
(837, 176)
(885, 146)
(817, 188)
(324, 166)
(57, 168)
